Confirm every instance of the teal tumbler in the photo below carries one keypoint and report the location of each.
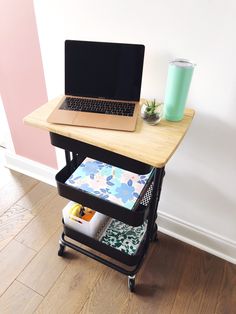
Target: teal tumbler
(178, 82)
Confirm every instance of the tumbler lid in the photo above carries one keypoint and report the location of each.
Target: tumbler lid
(182, 63)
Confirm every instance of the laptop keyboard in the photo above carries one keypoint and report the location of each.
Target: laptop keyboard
(98, 106)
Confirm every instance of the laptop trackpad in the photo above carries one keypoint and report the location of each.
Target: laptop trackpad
(104, 121)
(91, 119)
(62, 116)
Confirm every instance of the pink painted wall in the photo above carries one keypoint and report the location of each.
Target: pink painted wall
(22, 83)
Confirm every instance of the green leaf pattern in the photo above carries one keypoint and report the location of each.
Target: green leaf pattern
(123, 237)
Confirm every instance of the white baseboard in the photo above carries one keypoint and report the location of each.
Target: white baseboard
(198, 237)
(30, 168)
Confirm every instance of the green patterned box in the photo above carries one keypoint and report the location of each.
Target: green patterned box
(123, 237)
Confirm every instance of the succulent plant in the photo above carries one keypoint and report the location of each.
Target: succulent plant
(151, 112)
(151, 106)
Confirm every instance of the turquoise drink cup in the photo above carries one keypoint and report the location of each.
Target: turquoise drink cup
(178, 81)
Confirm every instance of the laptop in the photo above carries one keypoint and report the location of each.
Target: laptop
(102, 85)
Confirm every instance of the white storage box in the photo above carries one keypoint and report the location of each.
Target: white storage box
(73, 221)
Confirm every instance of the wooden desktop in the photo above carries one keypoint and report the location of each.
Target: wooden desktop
(153, 145)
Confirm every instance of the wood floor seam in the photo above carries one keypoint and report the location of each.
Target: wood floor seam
(58, 278)
(25, 244)
(27, 222)
(17, 200)
(22, 283)
(220, 288)
(26, 192)
(94, 287)
(6, 289)
(178, 286)
(13, 248)
(8, 217)
(52, 235)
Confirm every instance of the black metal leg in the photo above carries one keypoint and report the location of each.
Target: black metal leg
(68, 158)
(156, 192)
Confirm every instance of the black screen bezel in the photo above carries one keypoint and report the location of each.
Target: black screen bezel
(129, 91)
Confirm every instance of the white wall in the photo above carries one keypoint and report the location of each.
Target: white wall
(5, 134)
(198, 202)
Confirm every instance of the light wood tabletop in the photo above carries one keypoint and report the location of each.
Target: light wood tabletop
(153, 145)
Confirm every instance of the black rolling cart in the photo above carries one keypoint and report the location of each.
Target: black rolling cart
(146, 150)
(145, 209)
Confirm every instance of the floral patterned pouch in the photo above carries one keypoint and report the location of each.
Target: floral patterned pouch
(111, 183)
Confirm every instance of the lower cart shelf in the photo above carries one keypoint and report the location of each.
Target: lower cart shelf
(130, 260)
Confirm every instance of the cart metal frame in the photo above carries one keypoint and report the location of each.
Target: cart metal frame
(73, 148)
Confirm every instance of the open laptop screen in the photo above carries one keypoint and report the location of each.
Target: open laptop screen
(103, 70)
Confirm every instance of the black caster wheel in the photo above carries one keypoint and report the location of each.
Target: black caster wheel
(154, 235)
(61, 250)
(131, 283)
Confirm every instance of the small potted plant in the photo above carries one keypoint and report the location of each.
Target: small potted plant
(151, 111)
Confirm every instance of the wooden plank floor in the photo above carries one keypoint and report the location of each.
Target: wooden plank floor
(175, 277)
